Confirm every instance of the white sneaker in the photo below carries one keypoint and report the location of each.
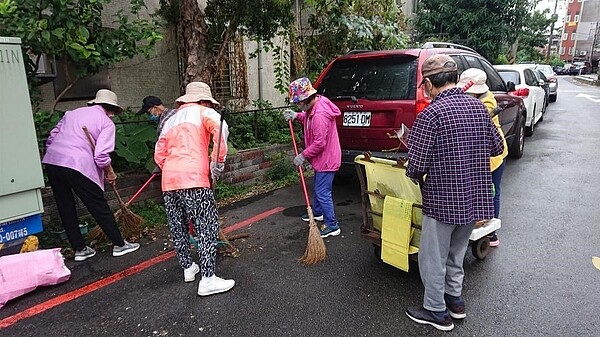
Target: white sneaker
(127, 248)
(86, 253)
(189, 274)
(214, 285)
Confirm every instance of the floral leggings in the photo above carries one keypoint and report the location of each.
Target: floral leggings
(197, 204)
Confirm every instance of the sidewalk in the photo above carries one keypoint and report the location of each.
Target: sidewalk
(591, 79)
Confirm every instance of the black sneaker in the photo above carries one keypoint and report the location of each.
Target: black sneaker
(456, 306)
(439, 320)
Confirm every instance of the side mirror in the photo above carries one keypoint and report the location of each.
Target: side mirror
(541, 83)
(510, 86)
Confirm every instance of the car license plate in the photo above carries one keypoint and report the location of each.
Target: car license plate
(20, 228)
(355, 118)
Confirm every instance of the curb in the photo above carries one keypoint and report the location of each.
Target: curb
(587, 80)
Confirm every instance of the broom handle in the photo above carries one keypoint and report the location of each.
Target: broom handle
(141, 189)
(299, 167)
(92, 143)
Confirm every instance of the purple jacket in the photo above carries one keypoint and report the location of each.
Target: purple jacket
(321, 141)
(67, 145)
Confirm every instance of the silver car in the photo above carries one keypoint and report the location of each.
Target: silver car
(552, 80)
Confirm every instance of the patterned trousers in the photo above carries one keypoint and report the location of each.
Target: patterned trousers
(199, 205)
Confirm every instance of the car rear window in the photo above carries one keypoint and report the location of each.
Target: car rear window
(547, 70)
(390, 78)
(510, 75)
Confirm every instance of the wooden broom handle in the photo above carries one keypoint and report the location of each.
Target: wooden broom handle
(108, 168)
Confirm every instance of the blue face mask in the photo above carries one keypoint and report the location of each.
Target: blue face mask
(153, 118)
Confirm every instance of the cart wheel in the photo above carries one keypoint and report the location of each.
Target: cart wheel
(481, 248)
(377, 251)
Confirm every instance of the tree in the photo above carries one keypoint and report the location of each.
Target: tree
(532, 39)
(488, 26)
(206, 35)
(72, 31)
(337, 27)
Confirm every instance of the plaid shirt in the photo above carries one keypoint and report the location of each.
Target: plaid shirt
(163, 118)
(451, 142)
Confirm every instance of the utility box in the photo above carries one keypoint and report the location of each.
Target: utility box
(21, 176)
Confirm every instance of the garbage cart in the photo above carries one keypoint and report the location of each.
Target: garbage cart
(392, 212)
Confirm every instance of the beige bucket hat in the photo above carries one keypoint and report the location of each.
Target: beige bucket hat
(105, 96)
(197, 91)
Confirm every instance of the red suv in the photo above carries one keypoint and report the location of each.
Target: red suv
(377, 92)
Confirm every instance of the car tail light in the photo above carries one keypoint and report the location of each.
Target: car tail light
(522, 92)
(422, 100)
(553, 80)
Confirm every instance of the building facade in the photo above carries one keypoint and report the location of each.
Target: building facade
(581, 32)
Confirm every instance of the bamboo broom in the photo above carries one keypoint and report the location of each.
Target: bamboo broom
(316, 251)
(131, 223)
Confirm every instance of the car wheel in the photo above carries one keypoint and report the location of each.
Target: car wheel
(515, 150)
(553, 98)
(530, 129)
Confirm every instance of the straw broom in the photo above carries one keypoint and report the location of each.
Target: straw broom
(131, 223)
(316, 251)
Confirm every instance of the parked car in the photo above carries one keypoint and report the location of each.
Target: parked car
(550, 75)
(378, 91)
(579, 68)
(528, 87)
(559, 70)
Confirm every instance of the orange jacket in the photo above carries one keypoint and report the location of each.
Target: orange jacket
(182, 148)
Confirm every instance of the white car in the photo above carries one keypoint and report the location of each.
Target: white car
(529, 89)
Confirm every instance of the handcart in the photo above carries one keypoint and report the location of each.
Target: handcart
(382, 179)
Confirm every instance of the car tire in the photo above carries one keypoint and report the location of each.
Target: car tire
(529, 130)
(552, 98)
(515, 150)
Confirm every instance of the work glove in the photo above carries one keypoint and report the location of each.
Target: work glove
(216, 170)
(289, 115)
(299, 160)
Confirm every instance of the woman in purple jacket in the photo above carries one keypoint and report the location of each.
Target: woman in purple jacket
(321, 148)
(72, 166)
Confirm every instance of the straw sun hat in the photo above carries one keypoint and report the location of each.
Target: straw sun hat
(197, 91)
(105, 96)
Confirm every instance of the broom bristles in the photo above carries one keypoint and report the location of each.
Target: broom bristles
(316, 251)
(130, 224)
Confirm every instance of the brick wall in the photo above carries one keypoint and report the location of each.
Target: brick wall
(247, 167)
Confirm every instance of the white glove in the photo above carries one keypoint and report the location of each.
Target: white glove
(216, 170)
(289, 115)
(299, 160)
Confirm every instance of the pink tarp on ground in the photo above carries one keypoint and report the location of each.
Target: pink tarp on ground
(22, 273)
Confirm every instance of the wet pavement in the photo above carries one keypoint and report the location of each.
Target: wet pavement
(539, 282)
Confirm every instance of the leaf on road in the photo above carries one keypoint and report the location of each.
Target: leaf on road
(596, 262)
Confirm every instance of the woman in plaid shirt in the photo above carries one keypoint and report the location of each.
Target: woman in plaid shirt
(451, 142)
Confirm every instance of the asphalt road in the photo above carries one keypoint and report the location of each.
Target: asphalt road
(539, 282)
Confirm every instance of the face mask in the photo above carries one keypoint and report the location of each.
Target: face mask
(153, 118)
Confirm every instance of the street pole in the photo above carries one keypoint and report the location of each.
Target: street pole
(554, 16)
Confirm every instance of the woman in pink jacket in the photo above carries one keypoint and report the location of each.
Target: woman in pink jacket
(321, 148)
(182, 155)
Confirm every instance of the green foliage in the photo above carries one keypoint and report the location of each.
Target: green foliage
(341, 26)
(283, 169)
(134, 145)
(501, 59)
(248, 130)
(486, 26)
(152, 212)
(72, 30)
(256, 19)
(532, 37)
(224, 191)
(556, 61)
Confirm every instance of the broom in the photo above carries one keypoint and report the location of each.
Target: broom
(97, 233)
(131, 222)
(315, 248)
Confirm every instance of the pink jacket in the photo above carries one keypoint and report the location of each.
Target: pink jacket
(182, 148)
(321, 141)
(67, 145)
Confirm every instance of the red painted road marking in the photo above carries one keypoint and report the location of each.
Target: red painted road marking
(253, 219)
(51, 303)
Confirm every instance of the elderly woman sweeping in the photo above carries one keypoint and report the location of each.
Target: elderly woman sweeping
(73, 166)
